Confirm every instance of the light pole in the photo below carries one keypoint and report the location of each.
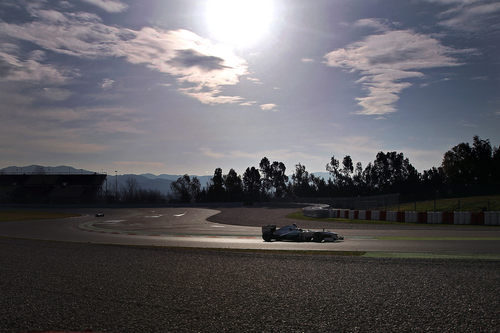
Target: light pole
(116, 184)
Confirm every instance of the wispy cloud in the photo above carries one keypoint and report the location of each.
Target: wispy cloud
(307, 60)
(107, 84)
(386, 63)
(470, 15)
(210, 153)
(55, 94)
(373, 23)
(269, 107)
(139, 165)
(475, 17)
(111, 6)
(13, 68)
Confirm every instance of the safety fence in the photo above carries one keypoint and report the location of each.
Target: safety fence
(471, 218)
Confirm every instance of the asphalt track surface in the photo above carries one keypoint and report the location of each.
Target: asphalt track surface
(240, 228)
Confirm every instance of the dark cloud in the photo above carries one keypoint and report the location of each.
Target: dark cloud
(5, 68)
(191, 58)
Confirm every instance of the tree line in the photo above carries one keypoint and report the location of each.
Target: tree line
(465, 170)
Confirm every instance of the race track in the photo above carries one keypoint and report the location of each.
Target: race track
(188, 227)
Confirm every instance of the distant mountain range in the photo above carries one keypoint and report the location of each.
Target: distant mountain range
(146, 181)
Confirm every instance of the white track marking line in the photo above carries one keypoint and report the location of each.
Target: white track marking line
(179, 215)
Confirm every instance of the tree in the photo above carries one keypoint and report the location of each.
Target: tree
(482, 156)
(186, 189)
(251, 183)
(234, 186)
(265, 168)
(357, 178)
(457, 164)
(333, 168)
(216, 191)
(131, 189)
(319, 186)
(391, 172)
(496, 166)
(300, 181)
(273, 177)
(345, 174)
(279, 178)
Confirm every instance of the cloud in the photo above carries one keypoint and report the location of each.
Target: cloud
(373, 23)
(470, 15)
(475, 18)
(307, 60)
(254, 80)
(210, 153)
(187, 56)
(107, 84)
(140, 164)
(268, 107)
(111, 6)
(387, 61)
(248, 103)
(56, 94)
(191, 59)
(13, 68)
(211, 96)
(67, 147)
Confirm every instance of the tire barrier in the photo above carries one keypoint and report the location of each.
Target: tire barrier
(318, 211)
(461, 218)
(392, 216)
(411, 217)
(434, 217)
(458, 218)
(492, 218)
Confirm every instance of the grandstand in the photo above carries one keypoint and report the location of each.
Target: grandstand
(50, 188)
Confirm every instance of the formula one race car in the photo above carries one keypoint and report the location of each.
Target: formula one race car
(295, 234)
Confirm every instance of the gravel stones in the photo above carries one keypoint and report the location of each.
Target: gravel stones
(64, 286)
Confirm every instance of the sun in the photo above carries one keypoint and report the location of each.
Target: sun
(240, 23)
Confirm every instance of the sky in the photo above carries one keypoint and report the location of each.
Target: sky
(158, 86)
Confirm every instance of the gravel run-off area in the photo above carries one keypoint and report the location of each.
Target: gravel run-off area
(75, 287)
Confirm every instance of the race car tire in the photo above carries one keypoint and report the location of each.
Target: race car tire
(267, 232)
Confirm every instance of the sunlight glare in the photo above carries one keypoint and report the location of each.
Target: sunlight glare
(240, 23)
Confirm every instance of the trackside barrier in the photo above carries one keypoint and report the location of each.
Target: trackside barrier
(422, 217)
(333, 213)
(318, 211)
(411, 217)
(447, 217)
(492, 218)
(400, 217)
(435, 217)
(392, 216)
(461, 218)
(475, 218)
